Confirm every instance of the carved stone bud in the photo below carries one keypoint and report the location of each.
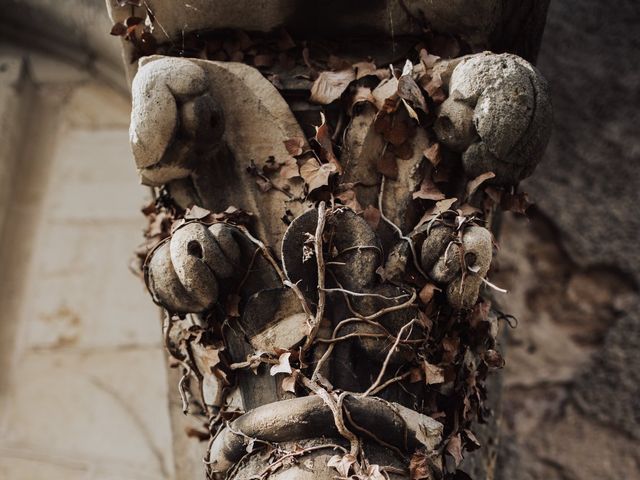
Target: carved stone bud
(445, 254)
(498, 115)
(183, 274)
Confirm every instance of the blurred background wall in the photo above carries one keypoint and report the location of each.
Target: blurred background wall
(83, 389)
(83, 383)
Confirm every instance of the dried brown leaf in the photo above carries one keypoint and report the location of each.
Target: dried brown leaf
(342, 463)
(454, 448)
(294, 146)
(432, 153)
(473, 185)
(323, 137)
(472, 442)
(282, 366)
(433, 375)
(394, 127)
(385, 89)
(387, 164)
(349, 199)
(428, 189)
(329, 86)
(289, 169)
(493, 359)
(409, 90)
(372, 216)
(317, 175)
(196, 213)
(363, 69)
(119, 29)
(427, 292)
(289, 384)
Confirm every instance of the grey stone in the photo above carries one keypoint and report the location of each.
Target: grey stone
(498, 114)
(440, 257)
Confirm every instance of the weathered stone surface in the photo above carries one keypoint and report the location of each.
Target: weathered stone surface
(441, 258)
(213, 159)
(474, 20)
(498, 114)
(590, 177)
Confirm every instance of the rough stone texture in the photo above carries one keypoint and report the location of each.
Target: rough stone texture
(592, 173)
(498, 114)
(571, 402)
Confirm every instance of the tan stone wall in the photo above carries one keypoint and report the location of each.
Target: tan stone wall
(83, 390)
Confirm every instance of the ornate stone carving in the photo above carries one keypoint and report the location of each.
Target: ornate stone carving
(324, 285)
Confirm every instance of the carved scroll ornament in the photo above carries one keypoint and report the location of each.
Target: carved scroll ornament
(329, 292)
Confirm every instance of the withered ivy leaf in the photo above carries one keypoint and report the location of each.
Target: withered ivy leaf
(294, 146)
(282, 366)
(438, 209)
(201, 435)
(432, 153)
(289, 384)
(454, 448)
(329, 86)
(422, 466)
(350, 200)
(493, 359)
(118, 29)
(395, 128)
(472, 442)
(427, 292)
(428, 189)
(450, 345)
(409, 90)
(473, 185)
(388, 165)
(132, 21)
(433, 375)
(362, 69)
(317, 175)
(467, 210)
(196, 213)
(323, 137)
(342, 463)
(385, 90)
(373, 473)
(289, 169)
(372, 216)
(427, 59)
